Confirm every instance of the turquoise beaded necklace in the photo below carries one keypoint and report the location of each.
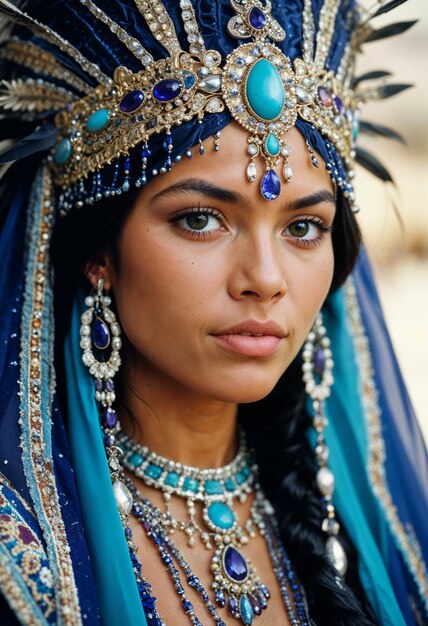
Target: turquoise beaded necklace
(236, 584)
(216, 489)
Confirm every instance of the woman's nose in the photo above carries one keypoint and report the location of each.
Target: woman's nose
(258, 270)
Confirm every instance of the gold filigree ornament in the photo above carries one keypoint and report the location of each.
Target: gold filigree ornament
(115, 118)
(264, 92)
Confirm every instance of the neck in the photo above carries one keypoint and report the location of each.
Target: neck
(178, 424)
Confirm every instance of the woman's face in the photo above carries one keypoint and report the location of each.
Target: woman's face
(217, 288)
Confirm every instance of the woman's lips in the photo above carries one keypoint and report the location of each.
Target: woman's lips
(249, 345)
(252, 338)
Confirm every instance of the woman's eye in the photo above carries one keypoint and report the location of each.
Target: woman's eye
(307, 230)
(198, 221)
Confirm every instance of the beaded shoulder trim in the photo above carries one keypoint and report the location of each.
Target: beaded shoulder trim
(26, 579)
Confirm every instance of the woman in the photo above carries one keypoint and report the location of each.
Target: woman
(215, 283)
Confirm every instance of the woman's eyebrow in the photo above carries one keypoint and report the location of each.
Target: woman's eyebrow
(206, 188)
(317, 197)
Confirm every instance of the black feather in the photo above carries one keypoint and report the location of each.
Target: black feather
(370, 163)
(388, 7)
(389, 31)
(370, 76)
(369, 128)
(42, 139)
(386, 91)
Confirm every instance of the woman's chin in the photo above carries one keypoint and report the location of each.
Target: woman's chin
(243, 391)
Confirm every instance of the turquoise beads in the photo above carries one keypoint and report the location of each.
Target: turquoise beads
(265, 91)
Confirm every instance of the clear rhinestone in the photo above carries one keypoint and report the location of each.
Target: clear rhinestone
(251, 172)
(253, 149)
(287, 172)
(123, 497)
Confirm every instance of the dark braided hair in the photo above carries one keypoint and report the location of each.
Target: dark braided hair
(276, 426)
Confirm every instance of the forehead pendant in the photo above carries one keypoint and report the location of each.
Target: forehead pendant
(259, 90)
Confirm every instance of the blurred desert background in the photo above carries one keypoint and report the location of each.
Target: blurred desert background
(400, 255)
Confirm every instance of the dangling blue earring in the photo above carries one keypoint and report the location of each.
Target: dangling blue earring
(318, 378)
(100, 335)
(100, 342)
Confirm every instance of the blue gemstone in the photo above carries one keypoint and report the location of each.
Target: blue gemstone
(62, 152)
(246, 610)
(172, 479)
(255, 603)
(153, 471)
(265, 91)
(166, 90)
(235, 564)
(270, 185)
(221, 515)
(190, 484)
(167, 142)
(262, 600)
(189, 79)
(188, 606)
(257, 18)
(319, 360)
(265, 591)
(232, 606)
(220, 598)
(100, 334)
(149, 604)
(109, 440)
(110, 418)
(146, 152)
(136, 459)
(98, 121)
(339, 104)
(132, 101)
(213, 487)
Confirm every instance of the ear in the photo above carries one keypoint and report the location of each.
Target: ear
(101, 267)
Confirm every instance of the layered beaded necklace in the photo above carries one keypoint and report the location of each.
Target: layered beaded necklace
(236, 584)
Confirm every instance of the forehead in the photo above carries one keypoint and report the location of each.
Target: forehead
(228, 166)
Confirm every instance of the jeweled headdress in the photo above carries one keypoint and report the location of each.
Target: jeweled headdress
(105, 139)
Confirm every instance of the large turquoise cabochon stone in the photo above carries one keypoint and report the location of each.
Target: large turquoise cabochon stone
(98, 121)
(265, 91)
(221, 515)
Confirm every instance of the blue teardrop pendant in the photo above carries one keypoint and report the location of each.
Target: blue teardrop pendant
(100, 334)
(270, 185)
